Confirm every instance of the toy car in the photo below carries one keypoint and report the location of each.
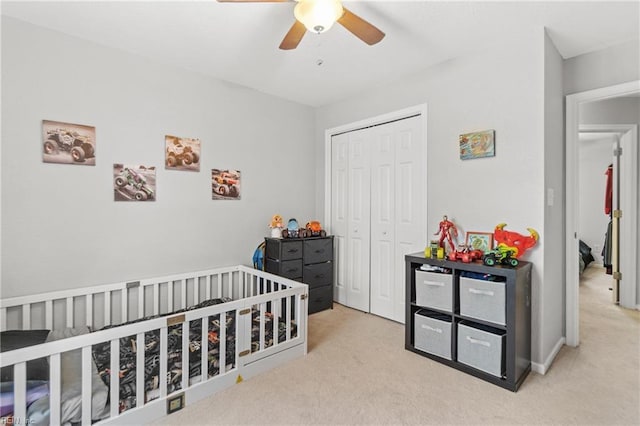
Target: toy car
(77, 145)
(293, 230)
(314, 229)
(465, 254)
(502, 255)
(133, 184)
(178, 154)
(226, 184)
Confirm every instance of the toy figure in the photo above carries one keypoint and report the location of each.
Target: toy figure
(513, 241)
(448, 231)
(276, 226)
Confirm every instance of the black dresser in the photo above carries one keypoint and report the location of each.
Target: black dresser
(308, 260)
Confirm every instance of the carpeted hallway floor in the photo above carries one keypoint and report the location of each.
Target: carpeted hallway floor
(358, 372)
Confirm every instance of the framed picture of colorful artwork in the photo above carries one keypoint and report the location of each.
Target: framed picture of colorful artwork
(477, 145)
(480, 241)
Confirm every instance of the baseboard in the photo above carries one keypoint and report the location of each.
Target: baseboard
(543, 368)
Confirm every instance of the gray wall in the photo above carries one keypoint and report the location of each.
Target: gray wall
(606, 67)
(60, 225)
(501, 88)
(552, 292)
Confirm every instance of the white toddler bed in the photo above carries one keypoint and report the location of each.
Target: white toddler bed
(202, 331)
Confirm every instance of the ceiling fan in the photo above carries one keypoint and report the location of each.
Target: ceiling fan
(318, 16)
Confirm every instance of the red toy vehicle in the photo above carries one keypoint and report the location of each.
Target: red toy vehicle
(465, 254)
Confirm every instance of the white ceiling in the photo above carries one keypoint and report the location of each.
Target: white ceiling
(239, 42)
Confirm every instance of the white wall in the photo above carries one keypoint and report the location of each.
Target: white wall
(606, 67)
(60, 225)
(501, 88)
(595, 155)
(551, 290)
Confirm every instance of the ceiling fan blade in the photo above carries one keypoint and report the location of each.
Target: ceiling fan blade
(360, 28)
(293, 37)
(253, 1)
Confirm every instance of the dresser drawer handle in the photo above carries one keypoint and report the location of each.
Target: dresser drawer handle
(437, 330)
(478, 342)
(320, 251)
(292, 251)
(434, 283)
(484, 292)
(292, 270)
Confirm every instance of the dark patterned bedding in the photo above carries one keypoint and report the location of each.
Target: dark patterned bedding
(128, 351)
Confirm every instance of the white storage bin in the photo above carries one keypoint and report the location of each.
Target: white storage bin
(432, 333)
(483, 300)
(482, 347)
(433, 290)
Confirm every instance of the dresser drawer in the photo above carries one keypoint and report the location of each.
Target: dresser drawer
(320, 298)
(434, 290)
(287, 268)
(432, 333)
(318, 275)
(318, 250)
(481, 347)
(483, 300)
(283, 249)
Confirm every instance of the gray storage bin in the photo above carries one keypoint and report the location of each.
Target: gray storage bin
(482, 347)
(433, 290)
(483, 300)
(432, 333)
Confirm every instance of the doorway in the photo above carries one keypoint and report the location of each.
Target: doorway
(628, 285)
(375, 206)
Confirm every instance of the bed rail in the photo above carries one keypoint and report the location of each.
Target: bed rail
(258, 295)
(111, 304)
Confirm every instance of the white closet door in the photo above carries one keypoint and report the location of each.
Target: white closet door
(410, 202)
(383, 188)
(398, 213)
(339, 212)
(359, 221)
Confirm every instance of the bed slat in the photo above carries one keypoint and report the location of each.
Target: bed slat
(26, 317)
(86, 385)
(107, 308)
(3, 319)
(207, 289)
(140, 365)
(141, 313)
(54, 389)
(163, 361)
(222, 342)
(114, 378)
(185, 355)
(20, 390)
(156, 299)
(124, 301)
(170, 308)
(183, 294)
(89, 310)
(69, 308)
(204, 349)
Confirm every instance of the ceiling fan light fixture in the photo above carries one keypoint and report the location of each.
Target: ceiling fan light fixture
(318, 15)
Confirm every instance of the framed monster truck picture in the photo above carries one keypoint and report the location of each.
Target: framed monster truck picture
(67, 143)
(182, 153)
(225, 184)
(134, 183)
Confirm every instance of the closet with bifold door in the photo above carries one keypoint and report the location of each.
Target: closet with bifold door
(378, 212)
